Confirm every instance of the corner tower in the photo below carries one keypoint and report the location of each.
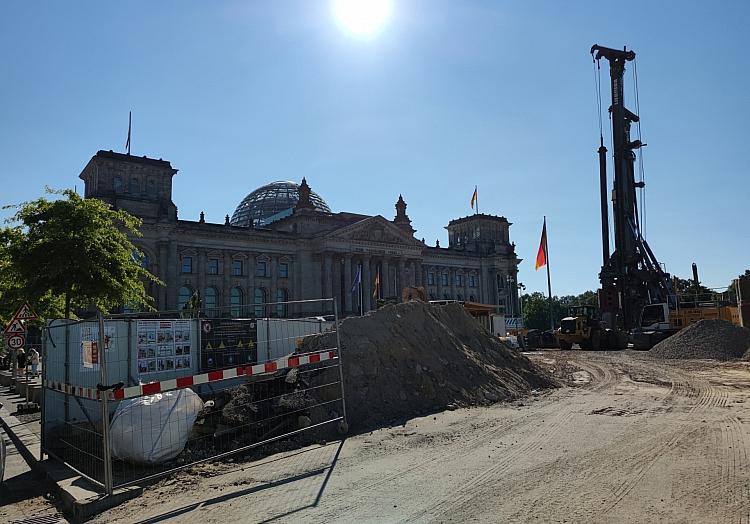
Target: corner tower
(139, 185)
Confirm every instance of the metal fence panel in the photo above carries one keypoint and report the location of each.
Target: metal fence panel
(186, 390)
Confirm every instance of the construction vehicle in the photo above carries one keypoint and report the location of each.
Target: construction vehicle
(631, 276)
(637, 299)
(582, 326)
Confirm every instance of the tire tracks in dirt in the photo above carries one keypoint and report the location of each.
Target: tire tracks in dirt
(603, 377)
(706, 397)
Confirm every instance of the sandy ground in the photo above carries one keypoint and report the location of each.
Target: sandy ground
(630, 439)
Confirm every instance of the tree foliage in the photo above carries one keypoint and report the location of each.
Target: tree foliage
(69, 253)
(536, 308)
(732, 289)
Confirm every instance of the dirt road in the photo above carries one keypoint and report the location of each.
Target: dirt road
(630, 440)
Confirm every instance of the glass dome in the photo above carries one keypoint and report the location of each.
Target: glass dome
(272, 202)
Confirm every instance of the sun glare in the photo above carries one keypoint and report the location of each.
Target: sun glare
(362, 18)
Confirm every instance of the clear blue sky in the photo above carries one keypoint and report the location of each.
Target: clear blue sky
(450, 94)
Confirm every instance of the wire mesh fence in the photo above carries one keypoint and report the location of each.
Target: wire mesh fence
(148, 396)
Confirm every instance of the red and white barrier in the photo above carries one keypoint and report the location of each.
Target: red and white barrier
(291, 361)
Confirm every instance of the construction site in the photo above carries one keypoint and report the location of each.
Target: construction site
(633, 409)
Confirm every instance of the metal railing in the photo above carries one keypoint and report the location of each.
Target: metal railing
(128, 399)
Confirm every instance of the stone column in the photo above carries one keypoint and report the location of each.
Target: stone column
(162, 299)
(274, 281)
(200, 277)
(348, 281)
(402, 279)
(336, 274)
(366, 283)
(385, 280)
(250, 295)
(327, 279)
(227, 281)
(452, 281)
(438, 271)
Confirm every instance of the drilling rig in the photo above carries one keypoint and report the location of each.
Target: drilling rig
(633, 284)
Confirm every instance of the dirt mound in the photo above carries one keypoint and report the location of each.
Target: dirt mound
(717, 339)
(414, 358)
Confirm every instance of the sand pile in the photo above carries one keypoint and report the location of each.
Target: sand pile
(415, 358)
(716, 339)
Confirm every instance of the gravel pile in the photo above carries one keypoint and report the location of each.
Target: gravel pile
(409, 359)
(715, 339)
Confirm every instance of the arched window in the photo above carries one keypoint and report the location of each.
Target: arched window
(210, 301)
(260, 298)
(183, 296)
(281, 297)
(235, 299)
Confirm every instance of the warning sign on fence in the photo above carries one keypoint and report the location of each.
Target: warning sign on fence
(226, 343)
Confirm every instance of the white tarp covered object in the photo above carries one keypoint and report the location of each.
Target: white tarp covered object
(153, 429)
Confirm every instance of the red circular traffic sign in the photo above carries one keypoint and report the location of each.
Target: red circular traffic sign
(16, 341)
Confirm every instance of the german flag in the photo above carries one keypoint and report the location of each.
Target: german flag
(541, 255)
(474, 197)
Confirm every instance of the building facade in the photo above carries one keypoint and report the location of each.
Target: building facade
(284, 243)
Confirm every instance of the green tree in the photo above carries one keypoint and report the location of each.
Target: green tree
(72, 252)
(536, 307)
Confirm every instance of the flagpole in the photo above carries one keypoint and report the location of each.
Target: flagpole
(549, 282)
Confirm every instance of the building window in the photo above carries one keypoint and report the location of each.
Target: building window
(213, 266)
(445, 296)
(235, 299)
(283, 270)
(237, 268)
(444, 279)
(500, 282)
(135, 185)
(430, 278)
(210, 301)
(472, 281)
(432, 296)
(459, 279)
(459, 297)
(183, 296)
(118, 184)
(260, 299)
(472, 298)
(187, 264)
(261, 267)
(281, 297)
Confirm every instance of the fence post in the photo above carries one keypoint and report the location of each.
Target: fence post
(345, 426)
(107, 450)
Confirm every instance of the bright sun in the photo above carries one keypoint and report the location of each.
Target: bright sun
(363, 18)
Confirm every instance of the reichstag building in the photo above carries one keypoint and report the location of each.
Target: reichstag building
(284, 243)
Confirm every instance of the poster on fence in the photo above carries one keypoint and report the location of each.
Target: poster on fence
(163, 346)
(90, 343)
(226, 343)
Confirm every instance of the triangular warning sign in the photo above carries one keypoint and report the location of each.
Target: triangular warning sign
(221, 345)
(208, 346)
(15, 327)
(239, 344)
(25, 313)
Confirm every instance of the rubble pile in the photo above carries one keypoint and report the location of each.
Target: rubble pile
(413, 358)
(714, 339)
